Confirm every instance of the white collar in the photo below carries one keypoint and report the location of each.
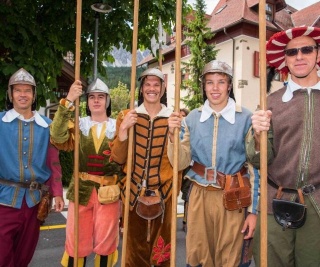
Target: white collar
(292, 86)
(86, 123)
(13, 114)
(164, 112)
(228, 112)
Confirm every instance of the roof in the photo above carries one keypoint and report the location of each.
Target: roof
(283, 18)
(230, 12)
(308, 16)
(280, 4)
(150, 58)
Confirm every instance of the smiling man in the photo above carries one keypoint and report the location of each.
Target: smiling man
(148, 238)
(28, 165)
(213, 139)
(293, 122)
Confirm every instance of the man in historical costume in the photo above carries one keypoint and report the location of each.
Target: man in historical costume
(27, 164)
(213, 140)
(98, 223)
(148, 241)
(293, 123)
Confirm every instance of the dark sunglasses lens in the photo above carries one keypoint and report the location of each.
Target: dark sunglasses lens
(306, 49)
(291, 52)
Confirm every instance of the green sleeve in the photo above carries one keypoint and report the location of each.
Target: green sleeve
(61, 125)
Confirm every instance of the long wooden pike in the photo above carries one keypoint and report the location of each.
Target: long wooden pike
(263, 138)
(76, 137)
(176, 134)
(130, 140)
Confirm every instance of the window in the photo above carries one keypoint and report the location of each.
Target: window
(269, 12)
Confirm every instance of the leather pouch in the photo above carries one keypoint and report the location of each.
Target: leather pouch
(108, 194)
(149, 207)
(44, 206)
(237, 193)
(287, 213)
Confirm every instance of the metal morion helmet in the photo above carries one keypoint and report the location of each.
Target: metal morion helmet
(21, 77)
(217, 66)
(153, 72)
(98, 86)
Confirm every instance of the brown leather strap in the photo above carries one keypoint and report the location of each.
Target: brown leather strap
(306, 189)
(279, 192)
(301, 198)
(102, 180)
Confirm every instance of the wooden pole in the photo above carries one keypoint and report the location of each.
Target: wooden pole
(160, 57)
(160, 43)
(176, 134)
(76, 137)
(130, 140)
(263, 137)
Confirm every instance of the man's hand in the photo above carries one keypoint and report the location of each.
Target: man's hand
(58, 204)
(249, 226)
(260, 122)
(129, 120)
(75, 91)
(174, 121)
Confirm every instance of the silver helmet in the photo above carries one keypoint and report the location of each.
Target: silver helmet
(21, 77)
(98, 86)
(217, 66)
(153, 72)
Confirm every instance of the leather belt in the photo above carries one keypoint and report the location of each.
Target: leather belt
(33, 185)
(211, 174)
(102, 180)
(306, 189)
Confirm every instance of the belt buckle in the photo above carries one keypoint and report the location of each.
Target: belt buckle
(212, 182)
(308, 189)
(34, 186)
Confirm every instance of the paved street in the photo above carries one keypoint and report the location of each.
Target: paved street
(52, 237)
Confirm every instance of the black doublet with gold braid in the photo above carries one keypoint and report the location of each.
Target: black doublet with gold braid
(150, 140)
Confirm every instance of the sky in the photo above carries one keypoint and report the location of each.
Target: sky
(297, 4)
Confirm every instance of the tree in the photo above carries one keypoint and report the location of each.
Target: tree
(37, 34)
(197, 34)
(123, 74)
(120, 97)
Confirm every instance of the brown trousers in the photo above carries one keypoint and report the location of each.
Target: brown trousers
(139, 251)
(214, 234)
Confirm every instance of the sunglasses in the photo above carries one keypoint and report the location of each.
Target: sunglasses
(304, 50)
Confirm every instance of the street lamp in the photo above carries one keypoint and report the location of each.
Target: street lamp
(98, 8)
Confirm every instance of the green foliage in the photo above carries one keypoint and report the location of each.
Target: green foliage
(197, 35)
(120, 97)
(82, 107)
(66, 160)
(37, 34)
(120, 74)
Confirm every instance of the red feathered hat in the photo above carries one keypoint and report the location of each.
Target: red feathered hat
(278, 42)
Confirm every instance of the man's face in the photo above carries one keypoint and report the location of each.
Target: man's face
(151, 89)
(302, 65)
(97, 103)
(22, 97)
(216, 87)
